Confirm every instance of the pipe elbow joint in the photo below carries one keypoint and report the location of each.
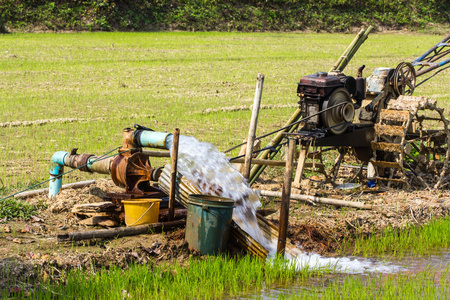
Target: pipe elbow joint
(56, 169)
(57, 163)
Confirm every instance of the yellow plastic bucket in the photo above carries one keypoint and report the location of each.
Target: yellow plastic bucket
(141, 211)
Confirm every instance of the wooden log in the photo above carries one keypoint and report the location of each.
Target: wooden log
(315, 199)
(99, 221)
(285, 197)
(74, 185)
(253, 123)
(304, 149)
(179, 213)
(173, 172)
(118, 232)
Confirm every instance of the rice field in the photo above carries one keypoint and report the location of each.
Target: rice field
(246, 278)
(417, 240)
(79, 90)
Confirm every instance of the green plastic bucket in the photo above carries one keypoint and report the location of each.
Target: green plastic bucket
(208, 223)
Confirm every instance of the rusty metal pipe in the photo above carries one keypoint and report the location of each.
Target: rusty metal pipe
(85, 162)
(102, 166)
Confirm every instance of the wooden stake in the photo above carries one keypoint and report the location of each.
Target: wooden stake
(286, 194)
(253, 123)
(173, 172)
(304, 149)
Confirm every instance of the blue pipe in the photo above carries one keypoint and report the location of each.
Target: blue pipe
(141, 138)
(442, 43)
(151, 139)
(56, 169)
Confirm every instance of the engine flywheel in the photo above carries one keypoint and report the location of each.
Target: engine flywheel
(338, 118)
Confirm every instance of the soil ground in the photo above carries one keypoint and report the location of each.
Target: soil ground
(29, 249)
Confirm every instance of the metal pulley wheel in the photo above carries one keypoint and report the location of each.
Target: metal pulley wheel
(338, 118)
(404, 79)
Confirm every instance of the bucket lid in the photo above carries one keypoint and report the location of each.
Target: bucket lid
(210, 200)
(140, 201)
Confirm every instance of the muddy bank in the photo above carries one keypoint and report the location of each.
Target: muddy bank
(322, 228)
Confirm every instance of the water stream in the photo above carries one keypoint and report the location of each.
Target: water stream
(210, 171)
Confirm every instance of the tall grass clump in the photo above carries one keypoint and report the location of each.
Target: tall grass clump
(13, 209)
(418, 240)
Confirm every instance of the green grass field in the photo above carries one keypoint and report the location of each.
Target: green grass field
(89, 86)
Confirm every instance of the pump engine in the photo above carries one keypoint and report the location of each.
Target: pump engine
(326, 101)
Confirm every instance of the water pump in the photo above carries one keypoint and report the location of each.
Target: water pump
(326, 101)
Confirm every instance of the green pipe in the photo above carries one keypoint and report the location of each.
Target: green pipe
(273, 143)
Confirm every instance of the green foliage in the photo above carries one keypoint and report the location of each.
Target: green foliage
(222, 15)
(419, 240)
(208, 278)
(13, 209)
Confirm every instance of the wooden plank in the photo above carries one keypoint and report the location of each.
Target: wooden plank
(105, 206)
(389, 130)
(395, 115)
(389, 147)
(387, 164)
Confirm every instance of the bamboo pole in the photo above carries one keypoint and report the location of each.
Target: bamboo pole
(315, 199)
(277, 163)
(257, 170)
(284, 210)
(355, 48)
(253, 124)
(173, 172)
(346, 52)
(74, 185)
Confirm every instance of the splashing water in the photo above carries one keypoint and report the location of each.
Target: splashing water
(210, 171)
